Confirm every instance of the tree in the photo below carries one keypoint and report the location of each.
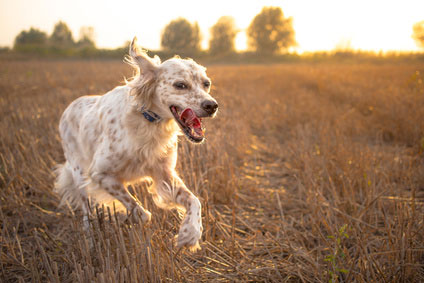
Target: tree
(223, 34)
(62, 35)
(181, 36)
(31, 37)
(270, 32)
(86, 37)
(418, 34)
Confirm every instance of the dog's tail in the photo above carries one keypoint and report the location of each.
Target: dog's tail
(66, 186)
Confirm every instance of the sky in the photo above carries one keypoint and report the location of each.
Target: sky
(319, 24)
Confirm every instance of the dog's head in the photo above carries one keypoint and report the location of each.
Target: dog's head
(175, 89)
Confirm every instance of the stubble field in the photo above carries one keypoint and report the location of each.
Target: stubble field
(310, 172)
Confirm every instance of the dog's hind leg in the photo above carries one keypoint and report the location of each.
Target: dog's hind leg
(69, 185)
(66, 186)
(117, 190)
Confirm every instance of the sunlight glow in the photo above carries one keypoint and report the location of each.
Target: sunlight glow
(241, 41)
(319, 25)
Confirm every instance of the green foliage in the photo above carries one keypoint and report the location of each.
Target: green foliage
(416, 82)
(418, 33)
(31, 37)
(422, 144)
(62, 36)
(270, 32)
(61, 43)
(223, 34)
(87, 40)
(182, 37)
(336, 258)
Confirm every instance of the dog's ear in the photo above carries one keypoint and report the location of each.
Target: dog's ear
(144, 84)
(148, 66)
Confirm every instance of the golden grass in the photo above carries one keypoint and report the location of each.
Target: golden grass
(311, 172)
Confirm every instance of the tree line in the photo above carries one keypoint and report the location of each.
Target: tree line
(270, 32)
(60, 39)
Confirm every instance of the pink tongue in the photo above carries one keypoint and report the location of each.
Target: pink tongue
(190, 118)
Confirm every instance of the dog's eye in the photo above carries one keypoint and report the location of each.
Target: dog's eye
(207, 84)
(180, 85)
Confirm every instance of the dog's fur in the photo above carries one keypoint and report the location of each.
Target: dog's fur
(108, 144)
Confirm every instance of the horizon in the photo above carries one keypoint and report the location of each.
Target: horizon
(384, 26)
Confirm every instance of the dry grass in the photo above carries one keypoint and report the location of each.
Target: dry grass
(310, 173)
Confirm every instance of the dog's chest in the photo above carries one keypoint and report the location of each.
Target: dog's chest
(149, 158)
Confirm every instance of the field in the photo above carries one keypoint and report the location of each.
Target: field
(310, 173)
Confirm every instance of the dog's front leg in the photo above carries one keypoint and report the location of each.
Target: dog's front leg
(173, 190)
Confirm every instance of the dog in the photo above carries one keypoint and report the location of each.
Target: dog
(130, 134)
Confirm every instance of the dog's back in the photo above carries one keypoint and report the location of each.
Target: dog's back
(70, 175)
(81, 129)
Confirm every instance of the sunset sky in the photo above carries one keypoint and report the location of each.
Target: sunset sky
(319, 25)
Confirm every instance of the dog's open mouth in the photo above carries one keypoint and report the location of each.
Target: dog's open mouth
(189, 123)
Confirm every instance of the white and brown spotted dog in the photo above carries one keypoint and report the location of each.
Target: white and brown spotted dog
(131, 133)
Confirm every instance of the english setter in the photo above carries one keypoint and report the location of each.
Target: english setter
(131, 133)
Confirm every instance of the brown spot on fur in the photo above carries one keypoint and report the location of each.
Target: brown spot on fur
(112, 121)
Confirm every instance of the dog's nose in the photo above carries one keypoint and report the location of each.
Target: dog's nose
(210, 106)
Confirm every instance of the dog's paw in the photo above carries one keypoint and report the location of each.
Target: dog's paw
(140, 213)
(189, 236)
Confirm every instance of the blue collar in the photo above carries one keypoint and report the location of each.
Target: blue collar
(150, 116)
